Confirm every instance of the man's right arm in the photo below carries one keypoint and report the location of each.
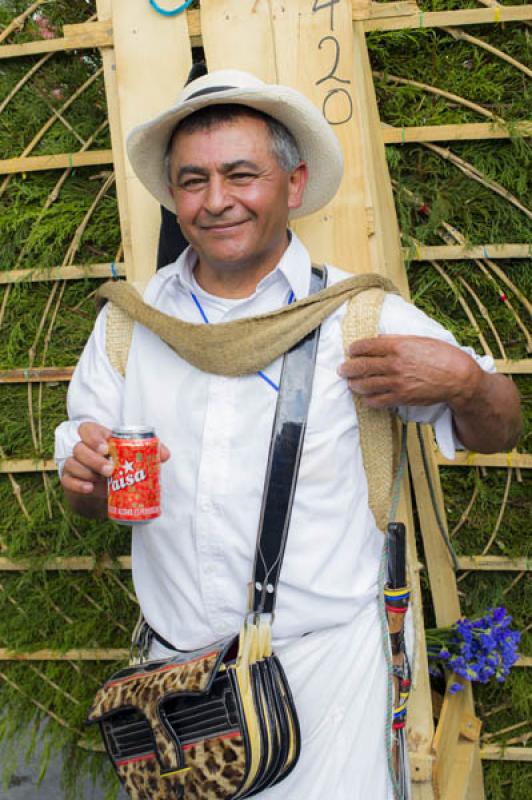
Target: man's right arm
(94, 402)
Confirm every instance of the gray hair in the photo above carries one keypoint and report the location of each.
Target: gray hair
(284, 145)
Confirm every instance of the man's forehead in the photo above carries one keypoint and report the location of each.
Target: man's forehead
(244, 139)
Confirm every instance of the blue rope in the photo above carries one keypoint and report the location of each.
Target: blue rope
(206, 321)
(174, 12)
(200, 308)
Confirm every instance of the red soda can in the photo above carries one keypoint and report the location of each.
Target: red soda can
(134, 489)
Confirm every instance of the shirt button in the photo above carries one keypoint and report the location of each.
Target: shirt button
(210, 569)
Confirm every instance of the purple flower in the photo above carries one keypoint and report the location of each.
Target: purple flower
(476, 650)
(455, 688)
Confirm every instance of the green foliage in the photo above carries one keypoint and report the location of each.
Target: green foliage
(40, 216)
(47, 528)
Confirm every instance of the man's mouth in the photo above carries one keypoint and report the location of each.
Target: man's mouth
(223, 227)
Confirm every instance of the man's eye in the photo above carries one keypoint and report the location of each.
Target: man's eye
(192, 183)
(242, 176)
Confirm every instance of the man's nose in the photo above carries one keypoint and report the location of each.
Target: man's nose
(217, 198)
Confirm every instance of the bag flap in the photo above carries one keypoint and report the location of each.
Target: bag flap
(142, 686)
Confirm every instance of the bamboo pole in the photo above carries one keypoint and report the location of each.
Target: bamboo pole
(48, 124)
(439, 19)
(86, 158)
(427, 87)
(455, 133)
(95, 34)
(472, 172)
(494, 564)
(19, 21)
(452, 252)
(462, 459)
(73, 272)
(501, 753)
(468, 459)
(476, 563)
(398, 18)
(461, 35)
(55, 374)
(82, 654)
(68, 563)
(521, 367)
(36, 375)
(22, 82)
(27, 465)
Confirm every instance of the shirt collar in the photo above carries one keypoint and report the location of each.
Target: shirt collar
(293, 269)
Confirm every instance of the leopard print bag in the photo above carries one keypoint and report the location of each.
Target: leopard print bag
(216, 723)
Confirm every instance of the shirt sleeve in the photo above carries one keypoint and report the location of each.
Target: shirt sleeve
(94, 395)
(400, 317)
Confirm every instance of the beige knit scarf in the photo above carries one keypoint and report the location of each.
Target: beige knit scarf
(247, 345)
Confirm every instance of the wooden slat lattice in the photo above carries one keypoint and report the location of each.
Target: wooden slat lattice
(366, 17)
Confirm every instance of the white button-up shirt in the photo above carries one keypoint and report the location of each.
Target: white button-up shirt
(191, 567)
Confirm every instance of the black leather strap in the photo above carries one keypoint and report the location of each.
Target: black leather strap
(288, 432)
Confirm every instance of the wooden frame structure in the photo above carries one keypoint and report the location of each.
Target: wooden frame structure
(328, 60)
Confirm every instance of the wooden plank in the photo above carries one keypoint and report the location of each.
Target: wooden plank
(104, 9)
(70, 563)
(36, 375)
(434, 19)
(324, 65)
(399, 9)
(524, 661)
(494, 564)
(62, 273)
(439, 563)
(238, 34)
(27, 465)
(468, 459)
(384, 239)
(475, 788)
(394, 16)
(446, 738)
(496, 753)
(46, 374)
(522, 366)
(457, 785)
(84, 654)
(149, 78)
(452, 252)
(88, 158)
(94, 34)
(453, 133)
(420, 722)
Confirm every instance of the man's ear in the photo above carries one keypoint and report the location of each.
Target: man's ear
(297, 182)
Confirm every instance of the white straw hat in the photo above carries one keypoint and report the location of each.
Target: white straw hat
(318, 145)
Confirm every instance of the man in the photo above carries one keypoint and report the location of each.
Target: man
(234, 177)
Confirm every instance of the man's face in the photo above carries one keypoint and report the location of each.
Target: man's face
(232, 198)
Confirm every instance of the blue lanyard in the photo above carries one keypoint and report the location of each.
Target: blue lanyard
(171, 12)
(291, 298)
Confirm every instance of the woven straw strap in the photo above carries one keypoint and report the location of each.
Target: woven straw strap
(247, 345)
(118, 333)
(377, 427)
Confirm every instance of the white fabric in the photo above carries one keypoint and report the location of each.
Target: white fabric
(191, 567)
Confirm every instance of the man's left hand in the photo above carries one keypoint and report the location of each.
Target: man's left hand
(391, 371)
